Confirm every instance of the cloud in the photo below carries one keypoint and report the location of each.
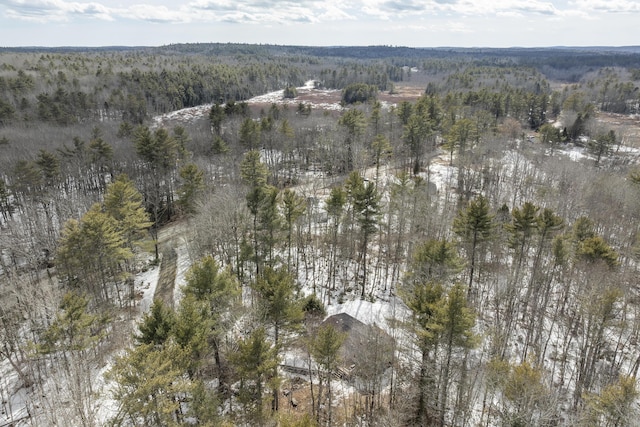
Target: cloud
(607, 6)
(269, 12)
(403, 6)
(55, 10)
(145, 12)
(475, 8)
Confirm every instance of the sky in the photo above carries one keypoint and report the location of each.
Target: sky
(412, 23)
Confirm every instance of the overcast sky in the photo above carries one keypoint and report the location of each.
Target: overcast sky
(415, 23)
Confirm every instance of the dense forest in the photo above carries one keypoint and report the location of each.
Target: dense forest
(393, 237)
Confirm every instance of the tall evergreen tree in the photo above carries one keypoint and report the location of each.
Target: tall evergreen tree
(159, 152)
(250, 134)
(216, 117)
(354, 122)
(220, 290)
(192, 186)
(279, 305)
(382, 150)
(456, 321)
(256, 362)
(425, 300)
(434, 260)
(91, 252)
(366, 207)
(254, 173)
(325, 347)
(334, 206)
(124, 203)
(74, 336)
(150, 385)
(474, 226)
(156, 325)
(293, 207)
(101, 154)
(192, 331)
(49, 164)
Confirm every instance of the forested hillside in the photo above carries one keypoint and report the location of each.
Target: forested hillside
(390, 237)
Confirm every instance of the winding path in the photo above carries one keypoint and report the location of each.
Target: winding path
(169, 238)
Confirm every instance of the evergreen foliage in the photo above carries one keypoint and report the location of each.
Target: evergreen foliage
(359, 92)
(156, 325)
(550, 277)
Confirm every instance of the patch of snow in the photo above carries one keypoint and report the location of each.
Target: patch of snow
(190, 114)
(146, 287)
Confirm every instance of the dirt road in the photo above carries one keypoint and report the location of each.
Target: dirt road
(170, 237)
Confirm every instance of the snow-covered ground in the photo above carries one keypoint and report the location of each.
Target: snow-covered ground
(145, 283)
(314, 97)
(378, 310)
(308, 94)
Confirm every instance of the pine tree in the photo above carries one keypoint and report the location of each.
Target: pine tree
(150, 385)
(124, 203)
(456, 321)
(549, 224)
(460, 136)
(220, 290)
(255, 361)
(324, 348)
(381, 151)
(192, 186)
(26, 181)
(615, 405)
(425, 300)
(159, 152)
(192, 331)
(279, 306)
(92, 252)
(101, 153)
(405, 110)
(474, 226)
(207, 281)
(524, 390)
(269, 225)
(293, 207)
(254, 173)
(334, 206)
(219, 145)
(523, 227)
(434, 260)
(181, 137)
(157, 324)
(74, 328)
(74, 336)
(597, 311)
(250, 134)
(49, 164)
(366, 208)
(216, 117)
(596, 249)
(354, 122)
(416, 131)
(602, 145)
